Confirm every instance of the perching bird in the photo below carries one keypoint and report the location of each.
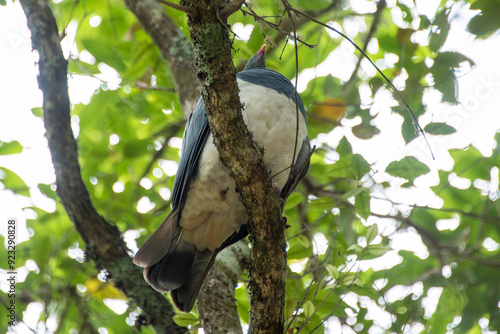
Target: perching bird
(207, 213)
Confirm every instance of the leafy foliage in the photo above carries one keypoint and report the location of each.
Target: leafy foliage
(344, 262)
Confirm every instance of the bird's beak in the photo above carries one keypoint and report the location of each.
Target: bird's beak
(262, 51)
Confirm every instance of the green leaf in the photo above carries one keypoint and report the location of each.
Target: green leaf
(437, 39)
(448, 85)
(12, 147)
(408, 168)
(47, 190)
(371, 233)
(322, 203)
(345, 221)
(439, 129)
(352, 166)
(471, 164)
(299, 248)
(243, 303)
(451, 59)
(486, 22)
(13, 182)
(444, 75)
(293, 200)
(308, 308)
(37, 112)
(344, 147)
(355, 249)
(377, 250)
(185, 319)
(303, 240)
(332, 271)
(483, 26)
(362, 203)
(365, 131)
(352, 280)
(424, 22)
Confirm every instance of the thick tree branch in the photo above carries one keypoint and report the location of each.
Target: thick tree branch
(174, 47)
(187, 10)
(103, 241)
(230, 8)
(216, 302)
(245, 163)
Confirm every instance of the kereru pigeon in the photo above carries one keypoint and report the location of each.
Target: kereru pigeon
(207, 213)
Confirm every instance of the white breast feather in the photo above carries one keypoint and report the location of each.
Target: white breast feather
(213, 210)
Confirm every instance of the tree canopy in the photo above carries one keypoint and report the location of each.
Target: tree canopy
(379, 241)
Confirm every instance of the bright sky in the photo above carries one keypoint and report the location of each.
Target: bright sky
(476, 119)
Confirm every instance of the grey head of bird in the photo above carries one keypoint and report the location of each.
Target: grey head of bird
(257, 60)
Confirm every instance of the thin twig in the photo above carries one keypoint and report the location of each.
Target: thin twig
(274, 26)
(376, 20)
(143, 85)
(295, 94)
(484, 218)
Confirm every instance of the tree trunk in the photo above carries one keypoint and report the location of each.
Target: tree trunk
(216, 302)
(244, 160)
(103, 241)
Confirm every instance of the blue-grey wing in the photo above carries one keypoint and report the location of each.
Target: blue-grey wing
(299, 169)
(195, 136)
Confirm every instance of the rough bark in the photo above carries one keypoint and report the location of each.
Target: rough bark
(103, 241)
(244, 160)
(216, 302)
(174, 47)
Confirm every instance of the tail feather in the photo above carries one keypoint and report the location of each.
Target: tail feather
(174, 265)
(174, 269)
(182, 272)
(155, 248)
(185, 296)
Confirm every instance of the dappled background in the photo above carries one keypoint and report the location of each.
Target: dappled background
(383, 237)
